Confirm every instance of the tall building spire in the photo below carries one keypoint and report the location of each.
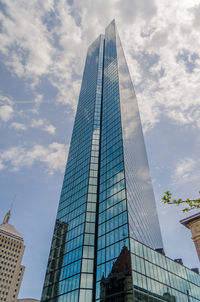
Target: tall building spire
(7, 217)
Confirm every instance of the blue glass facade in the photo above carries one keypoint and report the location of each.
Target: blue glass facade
(158, 278)
(143, 220)
(107, 198)
(71, 278)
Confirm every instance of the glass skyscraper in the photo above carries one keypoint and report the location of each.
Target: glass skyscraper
(107, 243)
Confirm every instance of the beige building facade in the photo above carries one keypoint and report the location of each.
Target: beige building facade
(11, 253)
(193, 223)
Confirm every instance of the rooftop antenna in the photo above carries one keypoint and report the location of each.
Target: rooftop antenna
(7, 216)
(12, 202)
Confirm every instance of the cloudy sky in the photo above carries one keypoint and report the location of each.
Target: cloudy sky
(43, 46)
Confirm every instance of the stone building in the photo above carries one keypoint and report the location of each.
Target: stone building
(193, 223)
(11, 253)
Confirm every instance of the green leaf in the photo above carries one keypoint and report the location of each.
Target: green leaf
(192, 204)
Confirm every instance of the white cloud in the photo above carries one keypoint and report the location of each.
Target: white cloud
(6, 112)
(53, 157)
(184, 167)
(186, 170)
(36, 54)
(43, 125)
(18, 126)
(50, 129)
(61, 33)
(176, 93)
(38, 99)
(37, 123)
(5, 100)
(195, 10)
(40, 123)
(2, 166)
(25, 38)
(129, 11)
(6, 108)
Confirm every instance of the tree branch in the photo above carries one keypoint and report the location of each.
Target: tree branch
(191, 203)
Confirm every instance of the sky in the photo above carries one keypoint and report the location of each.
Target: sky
(43, 47)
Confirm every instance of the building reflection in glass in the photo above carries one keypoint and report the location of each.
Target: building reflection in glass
(117, 287)
(141, 297)
(56, 259)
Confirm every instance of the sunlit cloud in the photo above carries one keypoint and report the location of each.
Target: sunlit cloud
(6, 108)
(186, 170)
(52, 157)
(50, 129)
(163, 86)
(42, 124)
(18, 126)
(6, 112)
